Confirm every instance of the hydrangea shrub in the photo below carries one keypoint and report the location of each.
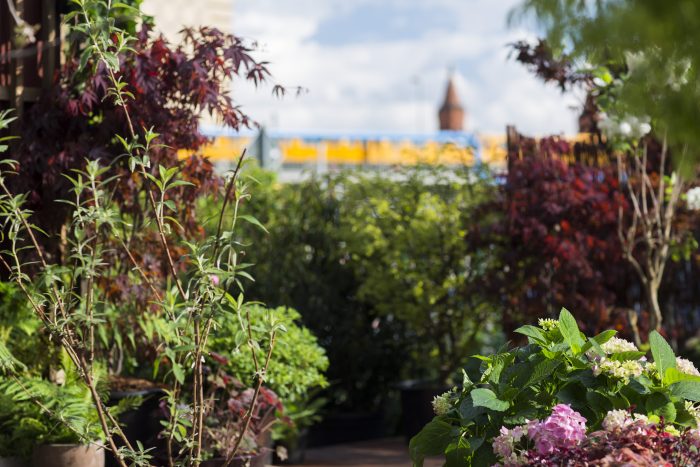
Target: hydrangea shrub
(553, 391)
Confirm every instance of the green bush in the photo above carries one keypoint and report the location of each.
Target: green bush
(378, 267)
(299, 363)
(406, 240)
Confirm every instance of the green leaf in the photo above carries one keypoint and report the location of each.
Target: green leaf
(597, 402)
(531, 331)
(689, 390)
(253, 221)
(659, 404)
(605, 336)
(467, 411)
(178, 372)
(432, 440)
(483, 397)
(624, 356)
(569, 330)
(662, 353)
(597, 341)
(541, 371)
(484, 456)
(674, 375)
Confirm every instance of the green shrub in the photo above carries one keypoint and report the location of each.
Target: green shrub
(406, 240)
(299, 363)
(378, 267)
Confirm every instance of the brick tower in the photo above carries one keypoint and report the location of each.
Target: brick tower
(451, 113)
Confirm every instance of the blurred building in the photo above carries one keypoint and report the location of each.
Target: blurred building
(293, 153)
(173, 15)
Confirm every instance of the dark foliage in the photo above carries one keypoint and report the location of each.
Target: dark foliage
(560, 245)
(541, 60)
(171, 87)
(303, 263)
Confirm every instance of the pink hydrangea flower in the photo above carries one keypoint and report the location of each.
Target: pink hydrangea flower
(563, 429)
(503, 444)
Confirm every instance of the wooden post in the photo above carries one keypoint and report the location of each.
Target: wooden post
(512, 145)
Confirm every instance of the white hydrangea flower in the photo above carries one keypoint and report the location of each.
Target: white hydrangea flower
(686, 366)
(617, 345)
(678, 73)
(442, 404)
(694, 411)
(644, 128)
(693, 198)
(622, 370)
(615, 419)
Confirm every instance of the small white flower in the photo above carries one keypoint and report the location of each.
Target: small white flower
(625, 129)
(644, 128)
(694, 411)
(693, 198)
(686, 366)
(548, 324)
(616, 419)
(57, 377)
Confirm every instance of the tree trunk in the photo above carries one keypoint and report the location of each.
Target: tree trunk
(632, 318)
(653, 299)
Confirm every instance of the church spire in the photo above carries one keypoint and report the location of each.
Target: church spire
(451, 113)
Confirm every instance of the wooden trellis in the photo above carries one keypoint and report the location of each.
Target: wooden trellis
(26, 70)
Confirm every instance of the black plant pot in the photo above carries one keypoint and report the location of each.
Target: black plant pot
(348, 428)
(296, 449)
(417, 406)
(140, 424)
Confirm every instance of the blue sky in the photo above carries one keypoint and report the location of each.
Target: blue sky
(383, 64)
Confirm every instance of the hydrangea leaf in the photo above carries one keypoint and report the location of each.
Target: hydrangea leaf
(432, 440)
(483, 397)
(624, 356)
(569, 330)
(664, 357)
(532, 332)
(689, 390)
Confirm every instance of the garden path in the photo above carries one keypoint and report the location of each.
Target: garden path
(391, 452)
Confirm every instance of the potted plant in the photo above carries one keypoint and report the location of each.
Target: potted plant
(52, 421)
(292, 439)
(296, 375)
(229, 403)
(15, 447)
(106, 241)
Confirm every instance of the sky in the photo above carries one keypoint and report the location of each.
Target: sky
(382, 65)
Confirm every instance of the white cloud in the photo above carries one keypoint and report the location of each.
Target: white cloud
(395, 84)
